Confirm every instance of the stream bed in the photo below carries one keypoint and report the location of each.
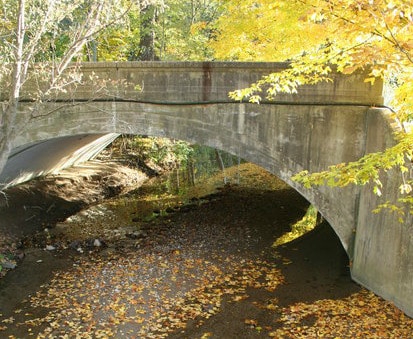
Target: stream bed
(192, 262)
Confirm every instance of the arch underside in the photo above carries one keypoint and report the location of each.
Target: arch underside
(283, 139)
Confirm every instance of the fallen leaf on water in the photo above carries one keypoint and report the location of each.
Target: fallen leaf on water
(240, 297)
(251, 322)
(8, 320)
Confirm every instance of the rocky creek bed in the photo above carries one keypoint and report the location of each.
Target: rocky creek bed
(200, 268)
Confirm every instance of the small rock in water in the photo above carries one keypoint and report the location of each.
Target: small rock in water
(97, 243)
(8, 265)
(137, 234)
(20, 255)
(74, 245)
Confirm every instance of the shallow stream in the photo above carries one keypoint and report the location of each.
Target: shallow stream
(193, 262)
(123, 216)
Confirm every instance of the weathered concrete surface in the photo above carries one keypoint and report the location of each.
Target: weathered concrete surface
(323, 125)
(284, 139)
(383, 247)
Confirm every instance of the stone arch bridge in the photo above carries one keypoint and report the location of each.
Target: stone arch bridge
(324, 124)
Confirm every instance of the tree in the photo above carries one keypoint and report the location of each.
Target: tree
(54, 31)
(262, 30)
(121, 40)
(315, 36)
(159, 30)
(185, 27)
(147, 50)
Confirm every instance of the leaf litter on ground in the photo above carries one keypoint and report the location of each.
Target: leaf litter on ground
(183, 271)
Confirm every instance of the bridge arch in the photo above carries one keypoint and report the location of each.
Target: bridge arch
(323, 125)
(283, 139)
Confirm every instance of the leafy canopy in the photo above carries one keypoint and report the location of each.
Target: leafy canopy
(315, 35)
(180, 29)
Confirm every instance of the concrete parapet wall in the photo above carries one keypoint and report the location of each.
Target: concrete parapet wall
(196, 82)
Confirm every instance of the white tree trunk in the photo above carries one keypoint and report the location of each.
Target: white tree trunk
(9, 110)
(25, 47)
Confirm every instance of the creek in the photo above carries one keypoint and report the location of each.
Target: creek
(158, 197)
(194, 261)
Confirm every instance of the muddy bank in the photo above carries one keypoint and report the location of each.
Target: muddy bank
(41, 203)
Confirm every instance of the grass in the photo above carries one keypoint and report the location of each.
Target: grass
(305, 225)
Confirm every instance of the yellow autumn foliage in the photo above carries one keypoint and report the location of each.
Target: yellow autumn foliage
(263, 30)
(314, 35)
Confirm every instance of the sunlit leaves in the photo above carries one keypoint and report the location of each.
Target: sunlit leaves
(368, 170)
(53, 27)
(163, 152)
(352, 317)
(373, 35)
(286, 81)
(184, 27)
(103, 298)
(306, 224)
(260, 30)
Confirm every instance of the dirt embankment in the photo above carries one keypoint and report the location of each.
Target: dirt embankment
(41, 203)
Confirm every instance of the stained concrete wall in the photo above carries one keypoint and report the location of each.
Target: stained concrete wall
(322, 125)
(383, 246)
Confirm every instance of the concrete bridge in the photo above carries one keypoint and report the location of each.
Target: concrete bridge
(322, 125)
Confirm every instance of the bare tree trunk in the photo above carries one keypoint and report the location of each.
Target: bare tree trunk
(191, 173)
(221, 164)
(147, 39)
(92, 51)
(9, 110)
(177, 179)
